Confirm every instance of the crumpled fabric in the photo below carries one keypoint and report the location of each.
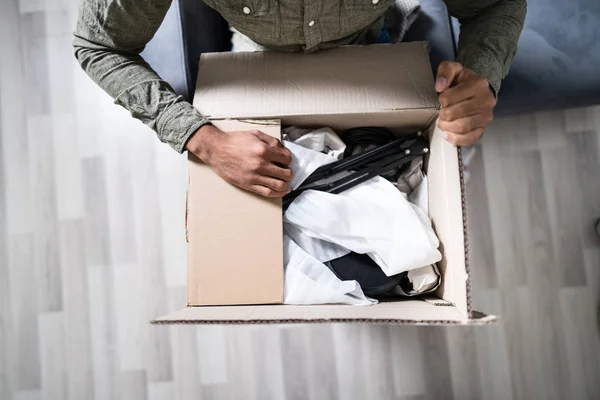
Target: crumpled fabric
(323, 140)
(373, 218)
(309, 281)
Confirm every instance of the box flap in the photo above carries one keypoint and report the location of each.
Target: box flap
(235, 250)
(411, 312)
(344, 80)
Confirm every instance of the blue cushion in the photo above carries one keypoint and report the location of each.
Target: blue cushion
(557, 60)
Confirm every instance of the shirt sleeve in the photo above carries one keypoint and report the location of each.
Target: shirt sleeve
(489, 32)
(109, 37)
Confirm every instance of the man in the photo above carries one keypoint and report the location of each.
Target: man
(111, 34)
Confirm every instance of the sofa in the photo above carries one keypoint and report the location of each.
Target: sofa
(555, 66)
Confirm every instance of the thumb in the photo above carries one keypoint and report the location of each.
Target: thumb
(447, 72)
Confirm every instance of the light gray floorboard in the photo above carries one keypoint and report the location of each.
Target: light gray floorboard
(76, 310)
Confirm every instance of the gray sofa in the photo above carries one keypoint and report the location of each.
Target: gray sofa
(556, 65)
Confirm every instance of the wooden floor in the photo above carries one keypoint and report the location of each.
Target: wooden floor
(92, 248)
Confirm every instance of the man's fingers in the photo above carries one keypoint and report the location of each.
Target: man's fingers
(277, 172)
(268, 139)
(278, 187)
(466, 124)
(447, 72)
(466, 138)
(464, 109)
(279, 155)
(461, 92)
(265, 191)
(275, 152)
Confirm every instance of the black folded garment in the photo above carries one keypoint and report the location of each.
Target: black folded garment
(346, 173)
(362, 269)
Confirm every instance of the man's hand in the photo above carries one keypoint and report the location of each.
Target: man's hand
(251, 160)
(467, 103)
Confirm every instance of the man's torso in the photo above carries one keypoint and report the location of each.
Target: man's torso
(292, 25)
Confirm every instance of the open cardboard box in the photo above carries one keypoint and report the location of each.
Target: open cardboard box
(235, 256)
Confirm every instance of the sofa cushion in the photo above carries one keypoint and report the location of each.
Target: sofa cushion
(557, 59)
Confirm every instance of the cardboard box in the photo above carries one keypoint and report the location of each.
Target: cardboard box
(235, 251)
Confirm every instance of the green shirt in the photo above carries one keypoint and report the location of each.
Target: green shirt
(111, 34)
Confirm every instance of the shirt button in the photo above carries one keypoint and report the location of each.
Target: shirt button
(247, 10)
(311, 23)
(375, 1)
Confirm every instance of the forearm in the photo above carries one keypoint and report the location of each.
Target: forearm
(489, 34)
(110, 55)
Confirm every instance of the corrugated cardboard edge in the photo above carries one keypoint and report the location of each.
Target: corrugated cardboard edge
(478, 319)
(463, 194)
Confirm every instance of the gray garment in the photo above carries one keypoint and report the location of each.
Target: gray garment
(111, 34)
(398, 18)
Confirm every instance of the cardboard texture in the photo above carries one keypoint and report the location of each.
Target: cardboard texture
(235, 251)
(378, 85)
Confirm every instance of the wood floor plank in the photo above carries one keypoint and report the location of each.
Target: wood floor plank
(28, 395)
(407, 361)
(149, 234)
(186, 372)
(347, 339)
(415, 397)
(43, 192)
(587, 164)
(481, 247)
(212, 354)
(321, 362)
(161, 391)
(171, 169)
(58, 24)
(215, 392)
(103, 331)
(492, 350)
(59, 63)
(499, 177)
(267, 367)
(562, 194)
(53, 356)
(436, 363)
(5, 279)
(5, 340)
(133, 385)
(28, 6)
(95, 113)
(118, 163)
(543, 279)
(294, 362)
(68, 178)
(76, 310)
(377, 374)
(580, 119)
(13, 119)
(35, 55)
(519, 351)
(97, 244)
(5, 390)
(591, 258)
(131, 322)
(465, 370)
(583, 345)
(244, 359)
(24, 356)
